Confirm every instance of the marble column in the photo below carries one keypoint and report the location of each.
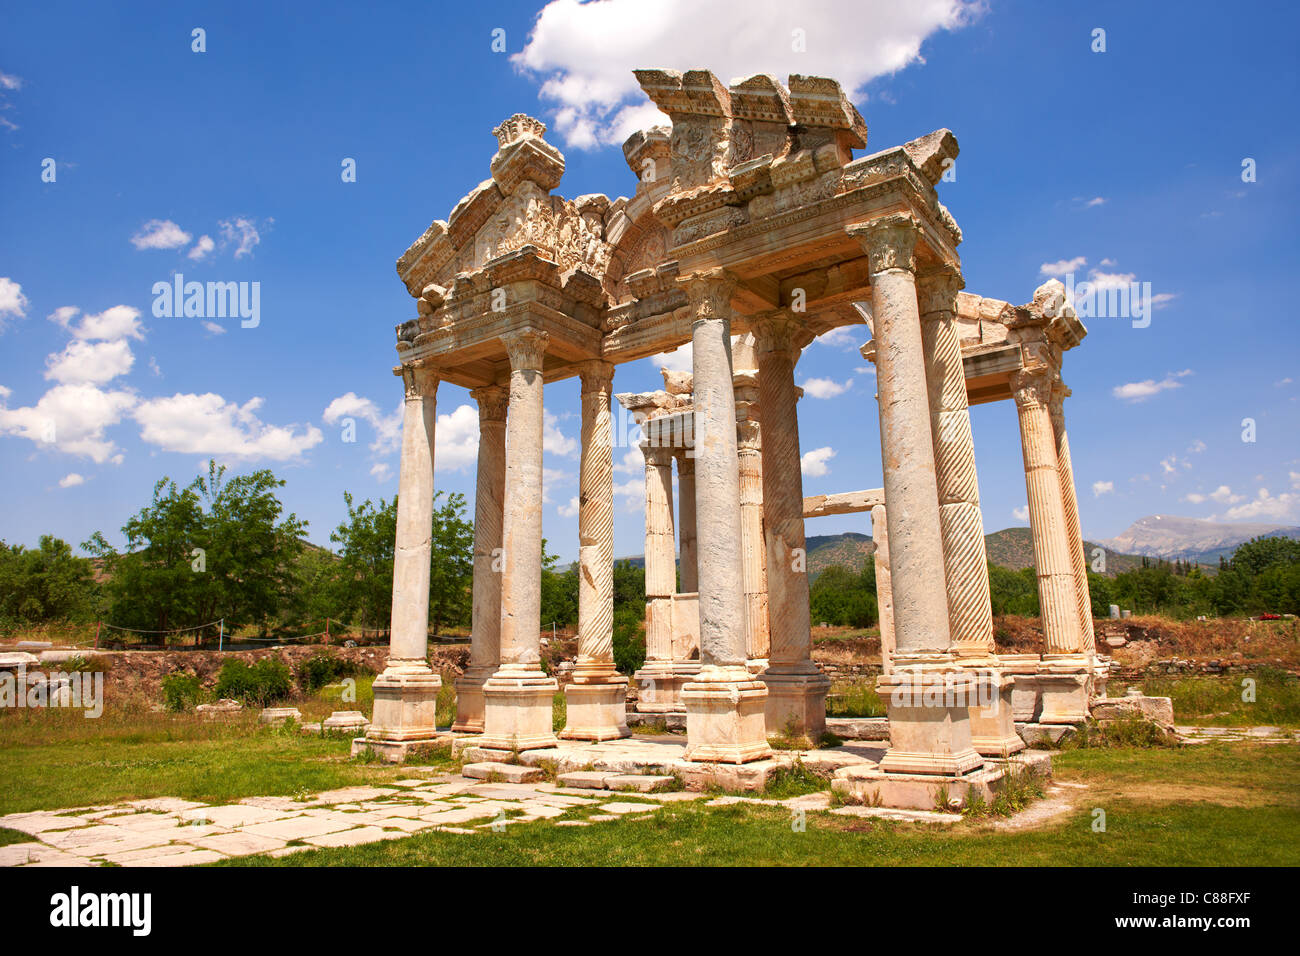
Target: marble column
(927, 695)
(749, 441)
(884, 586)
(406, 693)
(724, 704)
(489, 498)
(1063, 674)
(1073, 530)
(970, 610)
(686, 533)
(596, 699)
(796, 687)
(518, 697)
(662, 676)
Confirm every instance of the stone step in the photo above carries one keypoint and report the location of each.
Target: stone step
(504, 772)
(604, 780)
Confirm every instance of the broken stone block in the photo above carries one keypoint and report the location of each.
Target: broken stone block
(222, 708)
(1159, 710)
(345, 722)
(278, 716)
(506, 772)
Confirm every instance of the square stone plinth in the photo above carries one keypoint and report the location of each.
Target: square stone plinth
(726, 721)
(929, 721)
(1064, 696)
(396, 751)
(796, 702)
(406, 704)
(596, 711)
(517, 711)
(874, 787)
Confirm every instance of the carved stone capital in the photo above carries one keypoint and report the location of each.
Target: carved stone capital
(748, 436)
(493, 402)
(525, 348)
(937, 288)
(889, 242)
(778, 333)
(1031, 388)
(596, 376)
(685, 461)
(419, 382)
(657, 456)
(709, 293)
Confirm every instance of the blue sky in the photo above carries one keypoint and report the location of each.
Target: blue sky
(1127, 162)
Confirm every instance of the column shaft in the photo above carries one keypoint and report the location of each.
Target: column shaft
(753, 557)
(686, 533)
(1073, 529)
(884, 586)
(413, 548)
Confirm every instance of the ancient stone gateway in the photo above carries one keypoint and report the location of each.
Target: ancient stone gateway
(751, 231)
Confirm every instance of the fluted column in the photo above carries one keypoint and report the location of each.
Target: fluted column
(1057, 595)
(724, 706)
(686, 533)
(596, 699)
(1073, 529)
(489, 498)
(970, 612)
(884, 586)
(796, 687)
(518, 696)
(749, 441)
(925, 693)
(406, 693)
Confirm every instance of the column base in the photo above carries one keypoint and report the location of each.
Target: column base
(725, 720)
(916, 791)
(596, 710)
(661, 684)
(796, 700)
(1065, 686)
(1026, 701)
(517, 709)
(390, 751)
(929, 720)
(469, 699)
(992, 721)
(406, 703)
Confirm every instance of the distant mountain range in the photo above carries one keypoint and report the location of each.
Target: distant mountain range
(1170, 537)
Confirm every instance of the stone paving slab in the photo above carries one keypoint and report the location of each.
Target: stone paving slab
(297, 828)
(233, 815)
(353, 837)
(507, 772)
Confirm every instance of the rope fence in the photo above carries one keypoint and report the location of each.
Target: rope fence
(332, 631)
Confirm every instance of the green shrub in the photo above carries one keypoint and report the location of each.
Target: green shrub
(181, 691)
(629, 639)
(324, 668)
(264, 683)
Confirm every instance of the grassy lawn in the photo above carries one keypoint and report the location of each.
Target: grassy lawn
(1217, 701)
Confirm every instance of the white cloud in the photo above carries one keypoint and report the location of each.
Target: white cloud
(825, 387)
(1264, 505)
(160, 234)
(813, 463)
(1295, 478)
(1021, 513)
(71, 480)
(1197, 447)
(118, 322)
(552, 477)
(70, 418)
(13, 304)
(241, 232)
(1095, 201)
(678, 361)
(570, 510)
(633, 493)
(10, 82)
(388, 428)
(382, 471)
(583, 53)
(1141, 391)
(1062, 266)
(211, 426)
(848, 337)
(455, 440)
(554, 441)
(1100, 488)
(633, 462)
(87, 362)
(201, 248)
(214, 328)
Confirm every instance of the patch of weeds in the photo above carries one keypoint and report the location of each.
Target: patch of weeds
(942, 799)
(367, 754)
(1124, 732)
(1019, 788)
(827, 740)
(793, 781)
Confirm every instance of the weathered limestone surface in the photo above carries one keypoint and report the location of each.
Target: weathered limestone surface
(884, 587)
(686, 532)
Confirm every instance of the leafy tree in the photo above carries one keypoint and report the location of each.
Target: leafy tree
(559, 592)
(45, 584)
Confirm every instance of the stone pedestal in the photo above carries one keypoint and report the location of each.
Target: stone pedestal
(519, 702)
(992, 719)
(469, 699)
(1064, 687)
(929, 719)
(725, 718)
(796, 701)
(1026, 700)
(596, 711)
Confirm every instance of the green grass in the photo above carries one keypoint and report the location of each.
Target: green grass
(13, 836)
(854, 699)
(1217, 701)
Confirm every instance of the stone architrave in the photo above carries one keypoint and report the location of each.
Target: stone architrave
(406, 693)
(970, 611)
(1063, 675)
(489, 499)
(518, 697)
(926, 694)
(724, 704)
(596, 699)
(796, 687)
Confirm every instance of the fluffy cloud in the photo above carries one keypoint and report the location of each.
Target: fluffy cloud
(70, 418)
(160, 234)
(676, 361)
(1223, 495)
(813, 463)
(825, 387)
(90, 362)
(554, 441)
(388, 428)
(13, 304)
(1282, 507)
(71, 480)
(202, 248)
(382, 471)
(848, 337)
(455, 442)
(1100, 488)
(118, 322)
(209, 425)
(1141, 391)
(582, 53)
(241, 233)
(1062, 266)
(570, 510)
(1021, 513)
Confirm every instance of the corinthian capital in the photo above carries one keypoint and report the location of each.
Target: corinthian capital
(596, 376)
(709, 293)
(937, 288)
(779, 333)
(419, 381)
(657, 456)
(493, 400)
(1031, 388)
(525, 348)
(889, 241)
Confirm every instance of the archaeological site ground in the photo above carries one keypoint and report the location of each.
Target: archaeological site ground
(697, 419)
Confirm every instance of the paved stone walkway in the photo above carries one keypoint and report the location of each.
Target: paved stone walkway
(1266, 735)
